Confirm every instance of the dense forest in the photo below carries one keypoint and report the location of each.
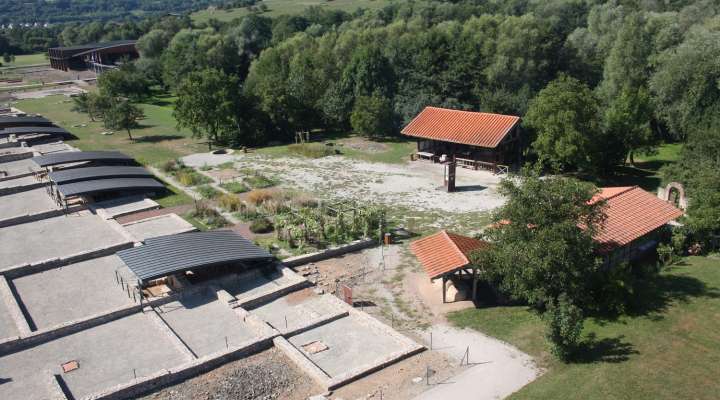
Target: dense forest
(57, 11)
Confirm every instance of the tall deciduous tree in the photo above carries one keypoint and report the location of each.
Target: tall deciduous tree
(372, 116)
(569, 136)
(208, 104)
(542, 251)
(122, 114)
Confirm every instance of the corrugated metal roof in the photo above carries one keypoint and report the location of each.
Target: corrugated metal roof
(465, 127)
(78, 156)
(444, 252)
(109, 185)
(23, 130)
(6, 122)
(166, 255)
(91, 173)
(630, 214)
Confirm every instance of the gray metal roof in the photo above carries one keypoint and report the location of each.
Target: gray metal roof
(6, 122)
(98, 186)
(92, 173)
(23, 130)
(78, 156)
(165, 255)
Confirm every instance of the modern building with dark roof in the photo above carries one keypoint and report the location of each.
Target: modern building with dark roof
(98, 187)
(12, 122)
(193, 251)
(69, 157)
(34, 130)
(93, 173)
(473, 139)
(97, 57)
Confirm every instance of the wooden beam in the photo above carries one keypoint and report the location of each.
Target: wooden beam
(444, 280)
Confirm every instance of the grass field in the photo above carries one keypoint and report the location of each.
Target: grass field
(646, 172)
(26, 59)
(669, 351)
(279, 7)
(390, 151)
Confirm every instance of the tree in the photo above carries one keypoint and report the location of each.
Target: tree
(208, 104)
(372, 116)
(542, 250)
(627, 118)
(125, 81)
(122, 115)
(685, 85)
(8, 58)
(94, 104)
(564, 116)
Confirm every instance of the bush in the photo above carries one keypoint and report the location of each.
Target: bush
(261, 225)
(312, 150)
(247, 212)
(304, 200)
(235, 187)
(189, 177)
(230, 202)
(205, 167)
(208, 216)
(565, 324)
(258, 181)
(260, 196)
(171, 166)
(207, 191)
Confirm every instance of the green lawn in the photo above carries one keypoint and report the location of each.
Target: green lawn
(156, 141)
(669, 351)
(646, 172)
(278, 7)
(390, 151)
(26, 59)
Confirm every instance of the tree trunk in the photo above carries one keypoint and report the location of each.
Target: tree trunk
(130, 135)
(632, 158)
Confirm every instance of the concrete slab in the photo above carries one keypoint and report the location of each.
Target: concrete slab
(296, 308)
(18, 167)
(203, 322)
(168, 224)
(107, 355)
(12, 183)
(28, 202)
(123, 206)
(351, 344)
(72, 292)
(55, 237)
(253, 283)
(7, 325)
(55, 147)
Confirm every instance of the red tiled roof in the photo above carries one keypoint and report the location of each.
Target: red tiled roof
(630, 214)
(444, 252)
(465, 127)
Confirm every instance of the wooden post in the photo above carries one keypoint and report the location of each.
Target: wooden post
(475, 281)
(444, 280)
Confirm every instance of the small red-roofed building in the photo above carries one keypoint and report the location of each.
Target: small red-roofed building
(634, 219)
(473, 139)
(444, 255)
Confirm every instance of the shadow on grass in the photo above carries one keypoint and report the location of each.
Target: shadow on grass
(157, 138)
(654, 295)
(608, 350)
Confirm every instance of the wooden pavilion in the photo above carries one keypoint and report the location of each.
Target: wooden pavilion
(473, 139)
(445, 255)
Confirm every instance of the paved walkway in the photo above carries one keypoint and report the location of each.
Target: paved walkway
(496, 369)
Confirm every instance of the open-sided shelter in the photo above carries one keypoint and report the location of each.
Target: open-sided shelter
(72, 157)
(165, 256)
(97, 57)
(473, 139)
(444, 255)
(35, 130)
(12, 121)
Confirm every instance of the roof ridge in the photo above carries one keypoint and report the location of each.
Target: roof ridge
(472, 112)
(447, 235)
(626, 189)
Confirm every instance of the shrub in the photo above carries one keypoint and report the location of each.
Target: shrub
(260, 196)
(261, 225)
(188, 177)
(208, 216)
(274, 206)
(205, 167)
(207, 191)
(258, 181)
(565, 323)
(247, 212)
(312, 150)
(171, 166)
(235, 187)
(304, 200)
(230, 202)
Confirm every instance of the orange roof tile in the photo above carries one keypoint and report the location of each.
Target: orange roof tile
(444, 252)
(630, 214)
(465, 127)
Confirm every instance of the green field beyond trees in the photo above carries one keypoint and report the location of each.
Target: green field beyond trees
(289, 7)
(668, 350)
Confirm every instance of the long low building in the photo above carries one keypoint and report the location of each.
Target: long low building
(198, 252)
(114, 185)
(92, 173)
(11, 122)
(33, 130)
(70, 157)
